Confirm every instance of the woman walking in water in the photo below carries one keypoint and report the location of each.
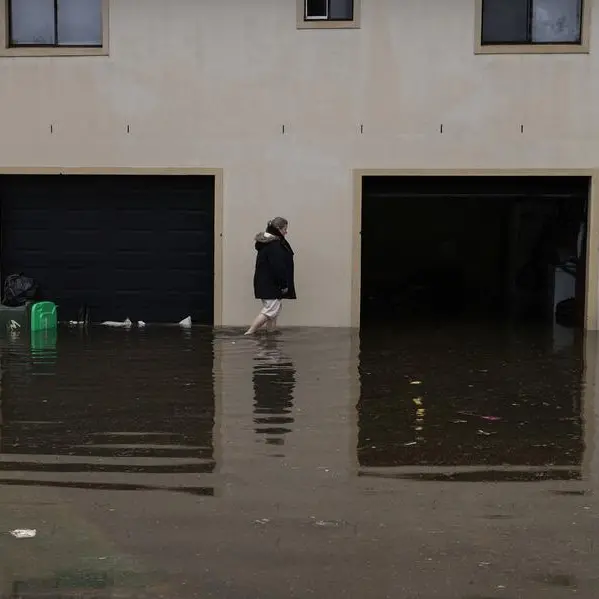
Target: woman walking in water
(273, 277)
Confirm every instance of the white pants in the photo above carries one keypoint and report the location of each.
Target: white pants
(271, 308)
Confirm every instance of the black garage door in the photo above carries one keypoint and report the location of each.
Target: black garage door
(138, 247)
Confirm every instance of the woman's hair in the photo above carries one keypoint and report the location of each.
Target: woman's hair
(277, 223)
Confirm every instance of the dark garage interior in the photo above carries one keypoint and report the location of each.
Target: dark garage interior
(113, 246)
(447, 248)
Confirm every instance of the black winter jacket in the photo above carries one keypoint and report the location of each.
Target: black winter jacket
(274, 268)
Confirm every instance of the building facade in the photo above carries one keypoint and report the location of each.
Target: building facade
(285, 105)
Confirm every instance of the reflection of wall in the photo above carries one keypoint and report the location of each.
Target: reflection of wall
(325, 398)
(317, 370)
(591, 410)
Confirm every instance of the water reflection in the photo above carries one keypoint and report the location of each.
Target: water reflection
(108, 402)
(464, 397)
(44, 352)
(99, 585)
(388, 443)
(274, 382)
(88, 584)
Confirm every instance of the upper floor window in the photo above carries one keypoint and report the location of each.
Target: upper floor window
(318, 14)
(532, 23)
(329, 10)
(37, 27)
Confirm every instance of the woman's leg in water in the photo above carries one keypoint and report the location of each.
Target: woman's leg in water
(268, 316)
(258, 323)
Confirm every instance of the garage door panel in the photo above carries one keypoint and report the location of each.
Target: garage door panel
(141, 285)
(116, 243)
(185, 240)
(139, 260)
(64, 221)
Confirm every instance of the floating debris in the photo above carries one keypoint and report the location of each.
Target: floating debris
(186, 323)
(487, 418)
(23, 533)
(329, 523)
(126, 324)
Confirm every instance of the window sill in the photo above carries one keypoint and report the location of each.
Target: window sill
(328, 24)
(44, 51)
(532, 49)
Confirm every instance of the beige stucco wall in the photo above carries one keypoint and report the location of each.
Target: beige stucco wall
(207, 83)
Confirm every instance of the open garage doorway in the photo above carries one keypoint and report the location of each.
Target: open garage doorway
(455, 248)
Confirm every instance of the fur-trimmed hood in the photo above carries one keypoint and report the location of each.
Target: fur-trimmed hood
(264, 237)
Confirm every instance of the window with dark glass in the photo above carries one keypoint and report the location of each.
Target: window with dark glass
(53, 23)
(329, 10)
(531, 22)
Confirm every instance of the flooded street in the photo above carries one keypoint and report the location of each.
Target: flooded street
(441, 463)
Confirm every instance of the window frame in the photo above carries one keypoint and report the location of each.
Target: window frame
(303, 23)
(6, 49)
(533, 48)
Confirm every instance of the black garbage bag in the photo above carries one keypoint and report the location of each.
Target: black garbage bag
(19, 289)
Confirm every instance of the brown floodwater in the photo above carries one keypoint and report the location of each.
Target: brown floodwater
(445, 462)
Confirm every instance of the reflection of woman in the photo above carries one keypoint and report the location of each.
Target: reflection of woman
(274, 381)
(274, 274)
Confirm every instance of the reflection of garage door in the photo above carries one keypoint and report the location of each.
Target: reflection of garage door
(127, 246)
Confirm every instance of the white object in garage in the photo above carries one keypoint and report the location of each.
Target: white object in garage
(564, 286)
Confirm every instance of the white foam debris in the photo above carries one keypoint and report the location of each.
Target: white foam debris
(126, 324)
(23, 533)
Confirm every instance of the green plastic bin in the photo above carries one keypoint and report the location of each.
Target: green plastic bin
(43, 316)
